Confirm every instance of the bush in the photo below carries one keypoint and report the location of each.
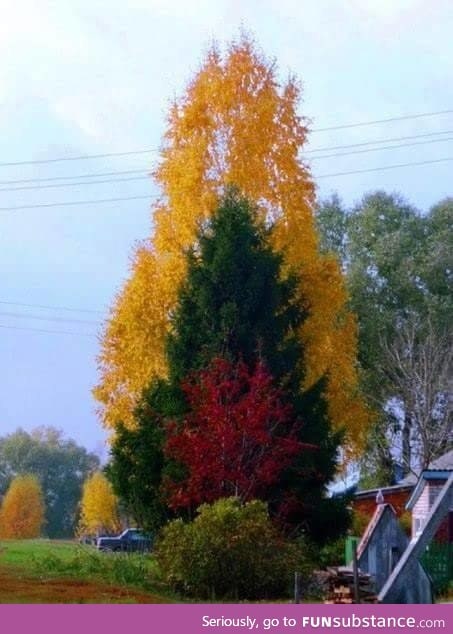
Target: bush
(230, 551)
(438, 563)
(332, 553)
(129, 569)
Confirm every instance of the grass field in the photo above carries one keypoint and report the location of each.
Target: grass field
(56, 571)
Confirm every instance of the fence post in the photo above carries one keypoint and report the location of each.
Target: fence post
(296, 587)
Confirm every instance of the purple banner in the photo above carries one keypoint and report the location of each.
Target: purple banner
(222, 619)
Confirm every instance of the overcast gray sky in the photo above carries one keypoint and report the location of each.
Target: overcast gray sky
(89, 77)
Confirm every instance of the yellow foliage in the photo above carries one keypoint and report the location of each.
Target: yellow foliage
(99, 507)
(234, 125)
(22, 511)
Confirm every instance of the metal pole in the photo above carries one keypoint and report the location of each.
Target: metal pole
(355, 569)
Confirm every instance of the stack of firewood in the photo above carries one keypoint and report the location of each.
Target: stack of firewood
(341, 586)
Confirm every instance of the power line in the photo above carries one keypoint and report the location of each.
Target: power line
(145, 171)
(374, 149)
(145, 174)
(76, 184)
(54, 332)
(384, 167)
(128, 198)
(81, 157)
(377, 121)
(47, 307)
(69, 177)
(43, 318)
(145, 177)
(376, 142)
(149, 150)
(79, 202)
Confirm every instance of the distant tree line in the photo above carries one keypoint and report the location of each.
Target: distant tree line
(59, 466)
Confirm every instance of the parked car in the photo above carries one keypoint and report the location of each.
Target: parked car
(130, 540)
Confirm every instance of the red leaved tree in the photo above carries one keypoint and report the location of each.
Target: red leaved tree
(237, 439)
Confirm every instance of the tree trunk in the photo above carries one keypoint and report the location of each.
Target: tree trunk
(406, 443)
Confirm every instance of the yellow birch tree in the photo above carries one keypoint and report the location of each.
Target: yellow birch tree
(236, 125)
(99, 507)
(22, 511)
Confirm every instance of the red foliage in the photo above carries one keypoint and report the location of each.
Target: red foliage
(237, 438)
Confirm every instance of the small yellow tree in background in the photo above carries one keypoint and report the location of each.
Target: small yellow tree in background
(23, 510)
(99, 507)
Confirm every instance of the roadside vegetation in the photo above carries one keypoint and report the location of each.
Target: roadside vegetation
(49, 571)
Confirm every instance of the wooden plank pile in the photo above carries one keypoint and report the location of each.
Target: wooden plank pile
(341, 586)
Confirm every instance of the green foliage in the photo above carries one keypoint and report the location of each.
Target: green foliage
(308, 510)
(399, 266)
(136, 468)
(60, 465)
(174, 551)
(230, 551)
(398, 262)
(62, 571)
(126, 569)
(332, 226)
(233, 303)
(438, 562)
(332, 553)
(386, 270)
(21, 552)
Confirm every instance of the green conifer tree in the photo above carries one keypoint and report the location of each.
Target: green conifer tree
(236, 304)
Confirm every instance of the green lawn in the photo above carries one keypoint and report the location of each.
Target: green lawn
(20, 552)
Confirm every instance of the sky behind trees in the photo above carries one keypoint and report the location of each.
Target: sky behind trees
(87, 78)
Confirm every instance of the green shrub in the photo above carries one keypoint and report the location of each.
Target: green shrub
(332, 554)
(230, 551)
(438, 562)
(117, 569)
